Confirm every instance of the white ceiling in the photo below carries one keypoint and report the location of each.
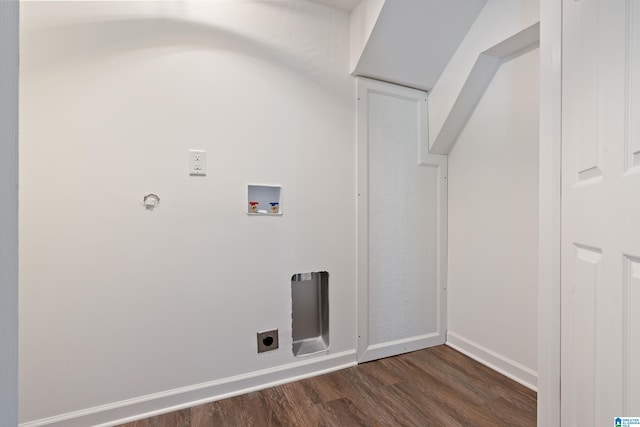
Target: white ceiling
(346, 5)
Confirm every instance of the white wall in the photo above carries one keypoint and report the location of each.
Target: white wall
(498, 21)
(9, 12)
(118, 302)
(493, 224)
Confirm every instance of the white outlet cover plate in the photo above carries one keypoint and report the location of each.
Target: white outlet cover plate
(197, 162)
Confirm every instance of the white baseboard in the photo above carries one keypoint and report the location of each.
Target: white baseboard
(392, 348)
(176, 399)
(510, 368)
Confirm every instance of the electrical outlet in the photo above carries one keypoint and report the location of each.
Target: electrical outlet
(197, 162)
(267, 341)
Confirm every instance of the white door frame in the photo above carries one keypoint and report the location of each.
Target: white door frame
(9, 18)
(550, 213)
(366, 351)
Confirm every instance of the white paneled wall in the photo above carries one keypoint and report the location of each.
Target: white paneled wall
(401, 224)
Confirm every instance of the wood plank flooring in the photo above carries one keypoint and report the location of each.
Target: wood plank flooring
(434, 387)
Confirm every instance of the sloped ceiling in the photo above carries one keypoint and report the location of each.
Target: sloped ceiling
(413, 40)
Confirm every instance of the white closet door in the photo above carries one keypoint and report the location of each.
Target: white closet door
(402, 224)
(600, 212)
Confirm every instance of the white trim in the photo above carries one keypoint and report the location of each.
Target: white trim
(550, 204)
(362, 243)
(477, 82)
(502, 364)
(393, 348)
(9, 35)
(185, 397)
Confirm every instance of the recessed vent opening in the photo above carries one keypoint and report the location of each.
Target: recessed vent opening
(310, 316)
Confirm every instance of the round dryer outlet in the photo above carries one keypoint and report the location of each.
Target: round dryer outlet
(267, 341)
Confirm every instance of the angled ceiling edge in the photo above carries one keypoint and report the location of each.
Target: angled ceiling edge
(412, 41)
(477, 82)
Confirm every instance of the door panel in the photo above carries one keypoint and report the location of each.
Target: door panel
(583, 53)
(633, 77)
(402, 212)
(632, 334)
(600, 212)
(588, 268)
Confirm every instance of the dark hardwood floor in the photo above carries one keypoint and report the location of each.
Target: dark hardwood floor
(433, 387)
